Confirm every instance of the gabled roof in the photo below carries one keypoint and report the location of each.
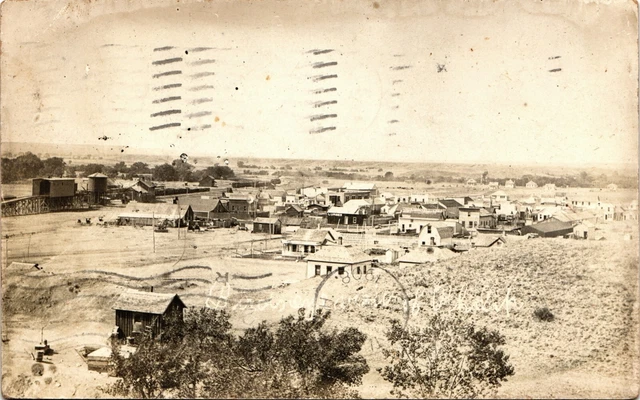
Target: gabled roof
(445, 232)
(486, 240)
(339, 254)
(97, 175)
(199, 204)
(145, 302)
(295, 207)
(314, 235)
(350, 207)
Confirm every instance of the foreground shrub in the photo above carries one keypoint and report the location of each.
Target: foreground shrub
(448, 358)
(543, 314)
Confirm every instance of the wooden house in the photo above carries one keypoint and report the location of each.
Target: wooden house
(338, 260)
(267, 225)
(309, 241)
(207, 181)
(146, 312)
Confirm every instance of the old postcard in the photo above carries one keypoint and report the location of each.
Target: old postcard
(327, 199)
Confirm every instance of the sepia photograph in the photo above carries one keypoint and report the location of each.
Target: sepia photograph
(319, 199)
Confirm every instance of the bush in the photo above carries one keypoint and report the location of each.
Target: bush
(543, 314)
(48, 380)
(37, 369)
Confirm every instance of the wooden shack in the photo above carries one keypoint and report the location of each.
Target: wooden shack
(145, 312)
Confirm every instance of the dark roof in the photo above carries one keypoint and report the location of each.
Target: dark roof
(199, 204)
(551, 225)
(450, 203)
(145, 302)
(295, 207)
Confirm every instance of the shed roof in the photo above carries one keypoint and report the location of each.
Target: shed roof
(145, 302)
(486, 240)
(450, 203)
(445, 232)
(359, 186)
(265, 220)
(339, 254)
(551, 225)
(313, 235)
(154, 210)
(97, 175)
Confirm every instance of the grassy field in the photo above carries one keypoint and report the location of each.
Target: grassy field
(591, 288)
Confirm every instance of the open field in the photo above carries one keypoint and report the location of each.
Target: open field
(591, 288)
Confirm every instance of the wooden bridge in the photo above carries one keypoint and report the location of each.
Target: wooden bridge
(43, 204)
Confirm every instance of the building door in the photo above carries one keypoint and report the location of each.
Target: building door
(585, 234)
(318, 270)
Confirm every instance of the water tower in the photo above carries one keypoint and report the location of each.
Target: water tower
(97, 186)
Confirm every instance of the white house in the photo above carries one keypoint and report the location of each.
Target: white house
(612, 186)
(549, 187)
(340, 260)
(435, 236)
(509, 184)
(309, 241)
(531, 185)
(471, 182)
(499, 196)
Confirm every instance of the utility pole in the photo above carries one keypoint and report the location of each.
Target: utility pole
(153, 230)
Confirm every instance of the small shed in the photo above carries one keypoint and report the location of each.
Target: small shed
(549, 228)
(267, 225)
(139, 312)
(207, 181)
(585, 230)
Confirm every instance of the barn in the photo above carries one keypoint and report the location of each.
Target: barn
(139, 312)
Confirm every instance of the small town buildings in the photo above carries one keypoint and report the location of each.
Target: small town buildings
(549, 228)
(413, 220)
(146, 312)
(509, 184)
(423, 255)
(53, 187)
(531, 185)
(146, 214)
(354, 212)
(309, 241)
(488, 220)
(469, 217)
(549, 187)
(471, 182)
(436, 236)
(338, 260)
(543, 213)
(142, 191)
(494, 185)
(452, 207)
(351, 191)
(499, 196)
(585, 230)
(241, 205)
(293, 210)
(207, 181)
(612, 186)
(271, 226)
(204, 207)
(487, 241)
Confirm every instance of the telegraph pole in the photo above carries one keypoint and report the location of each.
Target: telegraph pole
(153, 230)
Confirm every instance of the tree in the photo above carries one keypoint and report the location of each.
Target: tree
(448, 358)
(139, 168)
(485, 175)
(165, 172)
(199, 357)
(93, 168)
(53, 167)
(220, 172)
(183, 169)
(388, 176)
(240, 164)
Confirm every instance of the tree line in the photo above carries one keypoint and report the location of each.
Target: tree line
(29, 165)
(200, 357)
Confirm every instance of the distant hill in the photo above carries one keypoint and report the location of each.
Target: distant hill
(107, 154)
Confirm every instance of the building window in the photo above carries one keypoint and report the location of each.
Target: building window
(358, 270)
(340, 270)
(428, 228)
(364, 269)
(355, 220)
(329, 269)
(318, 270)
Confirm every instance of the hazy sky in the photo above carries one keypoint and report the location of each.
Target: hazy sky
(503, 81)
